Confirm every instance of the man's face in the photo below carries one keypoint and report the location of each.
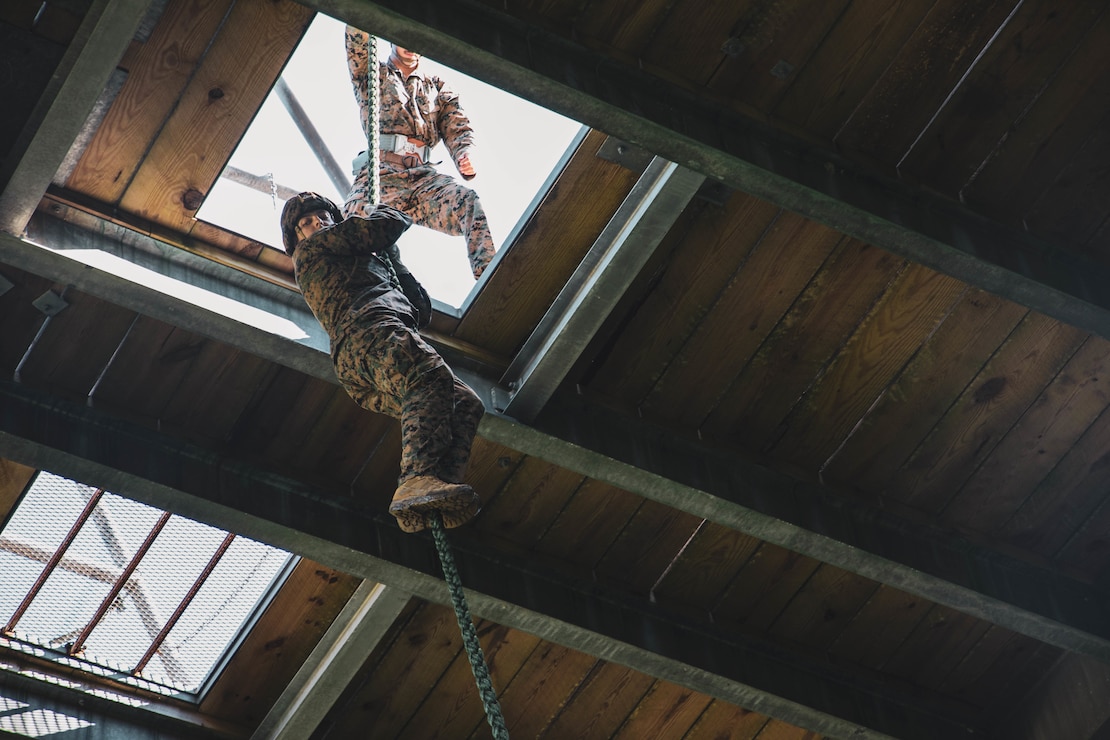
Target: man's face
(313, 221)
(406, 57)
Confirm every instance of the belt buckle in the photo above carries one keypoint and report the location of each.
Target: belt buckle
(409, 148)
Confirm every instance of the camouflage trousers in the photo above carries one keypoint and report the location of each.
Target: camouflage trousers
(433, 200)
(388, 368)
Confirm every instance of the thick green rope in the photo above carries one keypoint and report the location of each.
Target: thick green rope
(469, 633)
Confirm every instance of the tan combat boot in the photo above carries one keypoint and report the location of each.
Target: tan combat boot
(421, 495)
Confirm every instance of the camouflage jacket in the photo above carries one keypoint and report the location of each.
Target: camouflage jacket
(421, 107)
(346, 277)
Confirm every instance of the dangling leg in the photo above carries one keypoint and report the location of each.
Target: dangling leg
(468, 412)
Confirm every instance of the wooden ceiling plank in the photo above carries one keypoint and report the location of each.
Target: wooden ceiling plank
(13, 480)
(212, 112)
(1057, 126)
(763, 588)
(924, 71)
(1088, 549)
(1036, 443)
(745, 154)
(721, 720)
(879, 348)
(234, 496)
(922, 393)
(690, 45)
(717, 247)
(1000, 393)
(625, 26)
(399, 676)
(850, 59)
(363, 623)
(162, 67)
(524, 508)
(589, 523)
(547, 251)
(142, 380)
(879, 628)
(646, 547)
(936, 647)
(818, 613)
(607, 696)
(1066, 497)
(775, 42)
(996, 94)
(283, 638)
(977, 665)
(764, 390)
(763, 290)
(666, 711)
(705, 566)
(599, 282)
(92, 55)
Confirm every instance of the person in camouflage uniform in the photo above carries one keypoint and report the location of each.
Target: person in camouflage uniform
(417, 111)
(370, 305)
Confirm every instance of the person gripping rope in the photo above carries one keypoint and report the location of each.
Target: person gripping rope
(351, 275)
(416, 112)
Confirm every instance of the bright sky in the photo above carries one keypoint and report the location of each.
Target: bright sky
(518, 146)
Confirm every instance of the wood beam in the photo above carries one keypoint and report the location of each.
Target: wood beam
(706, 136)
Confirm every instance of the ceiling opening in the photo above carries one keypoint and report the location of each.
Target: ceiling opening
(520, 146)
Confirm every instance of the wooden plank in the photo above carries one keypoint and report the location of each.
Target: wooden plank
(1019, 667)
(998, 92)
(975, 666)
(987, 408)
(1055, 128)
(777, 40)
(851, 58)
(644, 549)
(835, 301)
(924, 71)
(936, 647)
(666, 711)
(1066, 497)
(490, 466)
(544, 683)
(820, 610)
(546, 253)
(624, 27)
(149, 367)
(19, 319)
(214, 110)
(904, 318)
(716, 246)
(605, 699)
(588, 524)
(1036, 443)
(748, 309)
(689, 45)
(339, 441)
(1089, 548)
(763, 588)
(724, 721)
(1073, 210)
(924, 390)
(879, 628)
(701, 572)
(13, 480)
(778, 730)
(159, 71)
(390, 689)
(279, 643)
(529, 502)
(72, 367)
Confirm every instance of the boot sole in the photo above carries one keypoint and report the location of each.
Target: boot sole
(456, 510)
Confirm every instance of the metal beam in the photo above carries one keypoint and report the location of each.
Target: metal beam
(341, 652)
(616, 257)
(75, 441)
(71, 95)
(742, 152)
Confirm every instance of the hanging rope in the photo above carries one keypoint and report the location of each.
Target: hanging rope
(469, 633)
(439, 534)
(374, 100)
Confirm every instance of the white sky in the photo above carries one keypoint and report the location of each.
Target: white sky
(518, 145)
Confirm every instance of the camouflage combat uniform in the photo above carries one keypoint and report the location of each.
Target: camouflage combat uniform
(380, 357)
(424, 108)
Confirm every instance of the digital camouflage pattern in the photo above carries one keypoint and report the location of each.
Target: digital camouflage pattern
(380, 358)
(422, 107)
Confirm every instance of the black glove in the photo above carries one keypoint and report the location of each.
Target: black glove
(411, 287)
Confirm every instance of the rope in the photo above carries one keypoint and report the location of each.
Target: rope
(374, 99)
(469, 633)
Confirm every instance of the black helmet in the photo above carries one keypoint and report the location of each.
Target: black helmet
(298, 206)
